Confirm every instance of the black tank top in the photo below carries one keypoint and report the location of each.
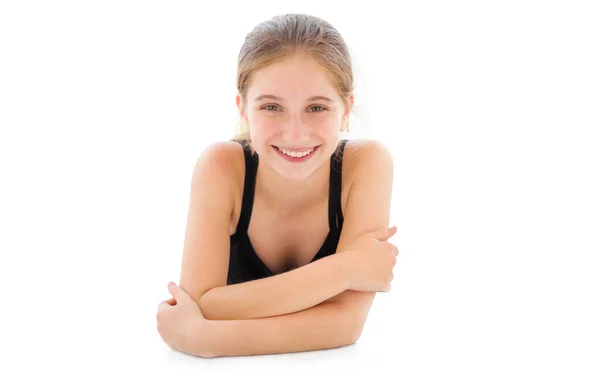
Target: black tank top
(244, 263)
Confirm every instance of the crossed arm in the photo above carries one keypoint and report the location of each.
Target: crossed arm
(299, 312)
(310, 307)
(289, 292)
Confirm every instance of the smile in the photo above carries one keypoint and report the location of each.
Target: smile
(296, 154)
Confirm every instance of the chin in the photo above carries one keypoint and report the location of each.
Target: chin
(299, 175)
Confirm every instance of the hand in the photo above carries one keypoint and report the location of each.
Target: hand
(372, 260)
(176, 318)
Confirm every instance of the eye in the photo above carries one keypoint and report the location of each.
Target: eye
(321, 107)
(268, 106)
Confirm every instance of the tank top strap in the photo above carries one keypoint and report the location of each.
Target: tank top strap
(336, 219)
(249, 185)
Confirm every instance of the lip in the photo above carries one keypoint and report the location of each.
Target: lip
(296, 160)
(297, 150)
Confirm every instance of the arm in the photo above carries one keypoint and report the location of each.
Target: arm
(289, 292)
(206, 247)
(367, 209)
(324, 326)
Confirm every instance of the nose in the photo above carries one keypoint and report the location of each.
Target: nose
(295, 131)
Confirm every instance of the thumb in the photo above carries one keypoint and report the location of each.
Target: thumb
(384, 234)
(175, 291)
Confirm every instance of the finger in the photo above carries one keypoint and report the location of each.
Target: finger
(171, 301)
(177, 292)
(173, 289)
(162, 305)
(384, 234)
(166, 303)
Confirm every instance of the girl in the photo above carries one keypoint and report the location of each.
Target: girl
(286, 237)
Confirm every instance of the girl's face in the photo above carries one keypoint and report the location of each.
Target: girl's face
(293, 108)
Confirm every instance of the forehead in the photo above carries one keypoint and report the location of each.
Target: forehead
(292, 77)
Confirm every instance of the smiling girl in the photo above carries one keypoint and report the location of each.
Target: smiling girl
(286, 238)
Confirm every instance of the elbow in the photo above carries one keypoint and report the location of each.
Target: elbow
(353, 327)
(206, 306)
(355, 332)
(213, 308)
(355, 316)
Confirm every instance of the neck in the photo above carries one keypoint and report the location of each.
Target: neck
(283, 194)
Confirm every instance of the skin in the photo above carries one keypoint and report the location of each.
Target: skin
(293, 122)
(289, 197)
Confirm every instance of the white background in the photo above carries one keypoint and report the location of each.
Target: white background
(491, 110)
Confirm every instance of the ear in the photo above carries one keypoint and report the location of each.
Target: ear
(238, 103)
(241, 110)
(347, 112)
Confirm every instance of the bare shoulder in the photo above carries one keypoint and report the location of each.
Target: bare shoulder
(223, 164)
(221, 157)
(223, 160)
(366, 158)
(362, 153)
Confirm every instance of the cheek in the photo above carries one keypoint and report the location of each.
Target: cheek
(327, 122)
(327, 127)
(259, 120)
(264, 129)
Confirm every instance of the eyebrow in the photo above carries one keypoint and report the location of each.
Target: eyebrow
(313, 98)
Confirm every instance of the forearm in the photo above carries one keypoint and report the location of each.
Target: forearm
(289, 292)
(324, 326)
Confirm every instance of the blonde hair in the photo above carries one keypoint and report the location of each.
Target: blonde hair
(294, 34)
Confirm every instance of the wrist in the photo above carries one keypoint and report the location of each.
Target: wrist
(202, 338)
(346, 268)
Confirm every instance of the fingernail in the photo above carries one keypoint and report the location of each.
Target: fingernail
(171, 283)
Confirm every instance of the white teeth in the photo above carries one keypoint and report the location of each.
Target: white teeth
(296, 154)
